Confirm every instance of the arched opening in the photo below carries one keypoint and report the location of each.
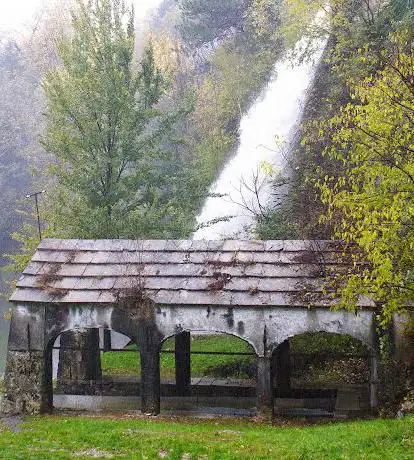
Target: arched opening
(321, 374)
(211, 371)
(94, 369)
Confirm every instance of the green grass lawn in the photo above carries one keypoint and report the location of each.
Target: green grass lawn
(127, 363)
(69, 437)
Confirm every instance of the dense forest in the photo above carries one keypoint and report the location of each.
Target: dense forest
(126, 130)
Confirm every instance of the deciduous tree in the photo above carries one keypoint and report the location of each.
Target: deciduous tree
(104, 126)
(205, 20)
(371, 201)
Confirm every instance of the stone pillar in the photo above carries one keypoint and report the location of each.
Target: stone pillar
(28, 374)
(281, 369)
(27, 389)
(183, 364)
(149, 342)
(373, 381)
(403, 332)
(374, 361)
(264, 385)
(79, 362)
(107, 340)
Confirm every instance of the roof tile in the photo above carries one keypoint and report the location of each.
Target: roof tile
(181, 272)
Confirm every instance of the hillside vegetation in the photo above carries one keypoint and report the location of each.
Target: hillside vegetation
(352, 167)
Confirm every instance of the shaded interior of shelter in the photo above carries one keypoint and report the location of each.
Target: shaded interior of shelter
(321, 374)
(197, 370)
(212, 369)
(313, 374)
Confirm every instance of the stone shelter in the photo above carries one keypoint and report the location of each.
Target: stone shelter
(260, 291)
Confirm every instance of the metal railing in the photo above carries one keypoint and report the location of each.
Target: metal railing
(118, 350)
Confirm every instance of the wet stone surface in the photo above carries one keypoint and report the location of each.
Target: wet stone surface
(12, 423)
(24, 383)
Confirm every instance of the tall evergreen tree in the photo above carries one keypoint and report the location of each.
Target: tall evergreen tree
(102, 123)
(102, 129)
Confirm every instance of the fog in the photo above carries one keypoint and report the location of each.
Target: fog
(19, 18)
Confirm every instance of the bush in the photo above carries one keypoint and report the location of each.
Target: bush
(240, 369)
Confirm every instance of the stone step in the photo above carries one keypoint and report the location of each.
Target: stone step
(133, 403)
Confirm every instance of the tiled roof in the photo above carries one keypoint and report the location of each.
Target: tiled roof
(180, 272)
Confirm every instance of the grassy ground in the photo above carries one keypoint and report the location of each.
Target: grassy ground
(127, 363)
(68, 437)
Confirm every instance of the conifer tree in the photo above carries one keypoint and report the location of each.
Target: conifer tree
(102, 123)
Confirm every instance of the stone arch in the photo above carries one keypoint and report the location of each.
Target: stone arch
(313, 344)
(211, 383)
(64, 318)
(80, 369)
(274, 345)
(362, 393)
(300, 321)
(245, 323)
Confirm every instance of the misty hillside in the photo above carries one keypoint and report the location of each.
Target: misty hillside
(128, 122)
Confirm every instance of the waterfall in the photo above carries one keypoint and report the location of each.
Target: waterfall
(265, 133)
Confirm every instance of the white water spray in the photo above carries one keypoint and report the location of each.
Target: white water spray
(265, 133)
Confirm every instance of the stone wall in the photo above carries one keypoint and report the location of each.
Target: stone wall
(27, 389)
(404, 338)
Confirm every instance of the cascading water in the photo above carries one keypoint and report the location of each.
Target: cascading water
(265, 132)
